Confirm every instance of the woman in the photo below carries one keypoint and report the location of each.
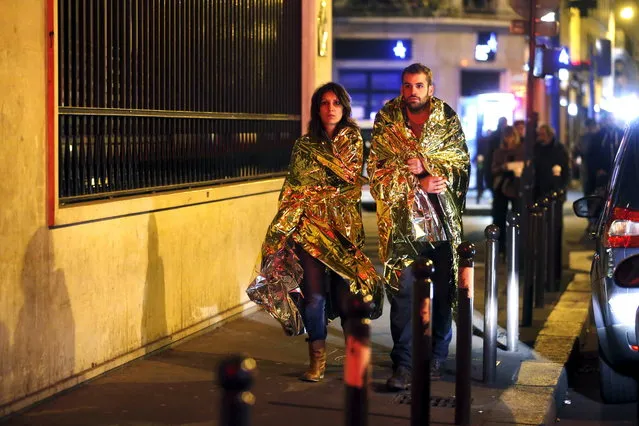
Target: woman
(508, 162)
(313, 245)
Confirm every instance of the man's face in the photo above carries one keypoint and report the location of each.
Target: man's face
(416, 91)
(544, 136)
(521, 129)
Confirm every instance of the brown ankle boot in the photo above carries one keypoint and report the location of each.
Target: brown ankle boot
(317, 355)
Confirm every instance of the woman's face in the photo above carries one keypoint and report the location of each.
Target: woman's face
(510, 140)
(331, 110)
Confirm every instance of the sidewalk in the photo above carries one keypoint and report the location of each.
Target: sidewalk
(176, 386)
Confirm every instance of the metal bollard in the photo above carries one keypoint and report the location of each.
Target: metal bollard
(465, 294)
(490, 304)
(542, 252)
(529, 269)
(552, 285)
(559, 230)
(423, 270)
(236, 375)
(358, 359)
(512, 283)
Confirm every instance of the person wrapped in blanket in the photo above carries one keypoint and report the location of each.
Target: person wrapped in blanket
(418, 169)
(311, 259)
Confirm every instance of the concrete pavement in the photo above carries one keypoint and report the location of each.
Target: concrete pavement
(176, 386)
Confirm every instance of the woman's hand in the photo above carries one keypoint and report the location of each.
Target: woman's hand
(433, 184)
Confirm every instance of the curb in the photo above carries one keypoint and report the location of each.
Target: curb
(542, 382)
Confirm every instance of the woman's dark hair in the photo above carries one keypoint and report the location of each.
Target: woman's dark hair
(315, 126)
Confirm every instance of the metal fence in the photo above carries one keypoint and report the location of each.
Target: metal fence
(164, 94)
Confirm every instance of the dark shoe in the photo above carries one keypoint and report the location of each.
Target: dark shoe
(400, 380)
(436, 368)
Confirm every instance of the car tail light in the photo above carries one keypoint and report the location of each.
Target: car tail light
(623, 228)
(627, 272)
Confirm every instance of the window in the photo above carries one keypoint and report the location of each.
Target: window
(370, 89)
(167, 95)
(399, 49)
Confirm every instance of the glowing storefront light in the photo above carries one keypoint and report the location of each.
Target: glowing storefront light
(573, 110)
(399, 49)
(548, 17)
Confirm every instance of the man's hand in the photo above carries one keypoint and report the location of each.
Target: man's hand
(415, 166)
(433, 184)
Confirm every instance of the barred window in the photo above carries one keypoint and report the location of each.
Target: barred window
(157, 95)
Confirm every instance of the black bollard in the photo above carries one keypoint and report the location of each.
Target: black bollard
(423, 270)
(553, 284)
(512, 283)
(358, 359)
(490, 304)
(559, 230)
(543, 237)
(236, 375)
(465, 294)
(529, 269)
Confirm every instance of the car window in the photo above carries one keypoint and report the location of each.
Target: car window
(626, 175)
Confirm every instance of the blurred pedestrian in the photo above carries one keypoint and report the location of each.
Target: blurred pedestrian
(311, 257)
(507, 167)
(492, 144)
(605, 144)
(552, 171)
(418, 168)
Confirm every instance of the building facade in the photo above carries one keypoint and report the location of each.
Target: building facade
(135, 195)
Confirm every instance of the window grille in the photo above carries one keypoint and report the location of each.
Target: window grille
(168, 94)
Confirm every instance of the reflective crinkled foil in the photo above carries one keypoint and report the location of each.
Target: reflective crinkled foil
(319, 210)
(442, 148)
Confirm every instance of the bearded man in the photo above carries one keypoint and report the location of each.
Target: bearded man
(418, 169)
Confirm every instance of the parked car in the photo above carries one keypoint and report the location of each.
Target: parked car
(614, 273)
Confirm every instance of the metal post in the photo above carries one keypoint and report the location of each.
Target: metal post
(542, 252)
(529, 270)
(235, 375)
(423, 269)
(512, 283)
(559, 230)
(490, 304)
(465, 293)
(358, 358)
(553, 285)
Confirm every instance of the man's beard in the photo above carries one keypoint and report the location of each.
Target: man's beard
(419, 107)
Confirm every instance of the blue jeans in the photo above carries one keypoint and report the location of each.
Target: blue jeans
(317, 285)
(401, 308)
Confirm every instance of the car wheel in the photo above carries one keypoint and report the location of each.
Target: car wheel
(615, 387)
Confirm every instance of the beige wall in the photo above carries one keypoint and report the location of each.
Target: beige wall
(113, 280)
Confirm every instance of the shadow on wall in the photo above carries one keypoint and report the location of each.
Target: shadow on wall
(154, 309)
(44, 344)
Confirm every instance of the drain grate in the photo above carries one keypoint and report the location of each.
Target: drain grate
(435, 401)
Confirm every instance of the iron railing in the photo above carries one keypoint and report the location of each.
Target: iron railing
(158, 94)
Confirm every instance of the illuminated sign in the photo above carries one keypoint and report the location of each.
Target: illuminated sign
(486, 47)
(381, 49)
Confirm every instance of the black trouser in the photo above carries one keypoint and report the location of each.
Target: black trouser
(401, 308)
(316, 287)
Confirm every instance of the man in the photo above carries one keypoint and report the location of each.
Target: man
(605, 144)
(583, 155)
(418, 169)
(491, 145)
(552, 171)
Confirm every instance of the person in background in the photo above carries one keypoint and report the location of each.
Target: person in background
(552, 171)
(605, 144)
(313, 246)
(418, 169)
(507, 167)
(492, 144)
(520, 127)
(584, 156)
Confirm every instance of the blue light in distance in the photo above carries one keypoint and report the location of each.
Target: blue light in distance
(399, 49)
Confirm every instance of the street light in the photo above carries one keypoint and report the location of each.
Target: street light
(627, 13)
